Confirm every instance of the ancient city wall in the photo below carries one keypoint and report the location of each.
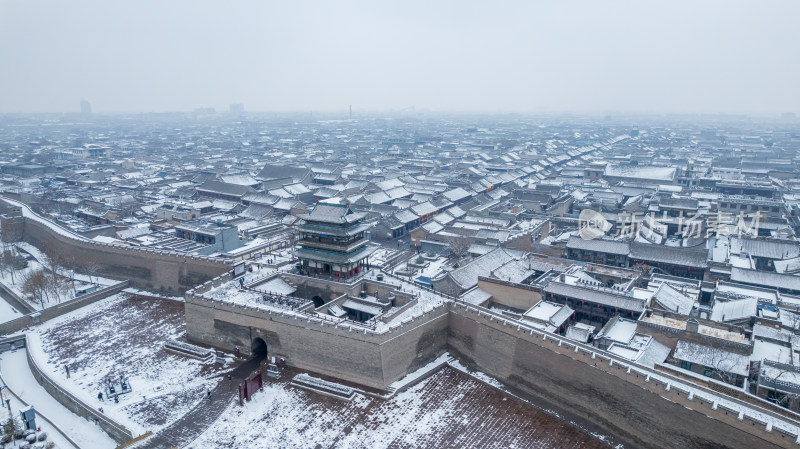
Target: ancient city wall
(349, 352)
(639, 406)
(115, 430)
(610, 395)
(15, 300)
(510, 294)
(61, 309)
(163, 271)
(613, 397)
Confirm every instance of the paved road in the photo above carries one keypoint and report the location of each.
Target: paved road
(191, 425)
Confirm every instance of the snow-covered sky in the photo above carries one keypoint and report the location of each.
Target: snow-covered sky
(527, 56)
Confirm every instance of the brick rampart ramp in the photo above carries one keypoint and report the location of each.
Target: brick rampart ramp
(187, 428)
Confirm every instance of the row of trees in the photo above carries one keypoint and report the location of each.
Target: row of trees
(49, 283)
(41, 287)
(57, 278)
(11, 262)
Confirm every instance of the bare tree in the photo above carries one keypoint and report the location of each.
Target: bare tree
(723, 370)
(459, 245)
(127, 208)
(36, 286)
(11, 262)
(57, 286)
(772, 372)
(51, 199)
(70, 264)
(5, 264)
(10, 429)
(91, 268)
(54, 263)
(718, 358)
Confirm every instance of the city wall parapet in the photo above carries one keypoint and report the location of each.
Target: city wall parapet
(167, 272)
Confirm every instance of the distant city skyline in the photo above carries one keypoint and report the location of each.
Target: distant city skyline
(585, 57)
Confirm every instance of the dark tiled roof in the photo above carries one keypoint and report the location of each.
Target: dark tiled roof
(695, 257)
(765, 278)
(270, 171)
(767, 248)
(332, 213)
(679, 203)
(224, 188)
(331, 257)
(596, 296)
(598, 245)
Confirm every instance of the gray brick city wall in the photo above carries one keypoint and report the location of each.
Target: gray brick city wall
(600, 392)
(354, 353)
(154, 270)
(60, 309)
(115, 430)
(606, 394)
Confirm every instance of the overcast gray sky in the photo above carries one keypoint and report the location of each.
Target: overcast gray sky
(590, 56)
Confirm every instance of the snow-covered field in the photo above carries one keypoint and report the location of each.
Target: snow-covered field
(8, 313)
(39, 261)
(16, 373)
(448, 409)
(124, 335)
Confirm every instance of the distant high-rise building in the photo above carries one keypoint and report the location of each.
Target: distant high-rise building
(237, 109)
(86, 107)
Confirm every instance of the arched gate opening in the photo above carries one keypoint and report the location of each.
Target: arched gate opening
(258, 348)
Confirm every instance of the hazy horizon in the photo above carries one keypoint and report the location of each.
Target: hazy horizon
(580, 57)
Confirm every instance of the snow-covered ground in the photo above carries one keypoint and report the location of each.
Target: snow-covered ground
(426, 299)
(39, 261)
(16, 373)
(44, 260)
(380, 256)
(447, 409)
(137, 291)
(8, 313)
(14, 281)
(276, 256)
(434, 267)
(124, 335)
(412, 377)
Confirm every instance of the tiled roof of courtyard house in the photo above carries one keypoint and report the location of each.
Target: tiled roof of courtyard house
(596, 295)
(598, 245)
(695, 257)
